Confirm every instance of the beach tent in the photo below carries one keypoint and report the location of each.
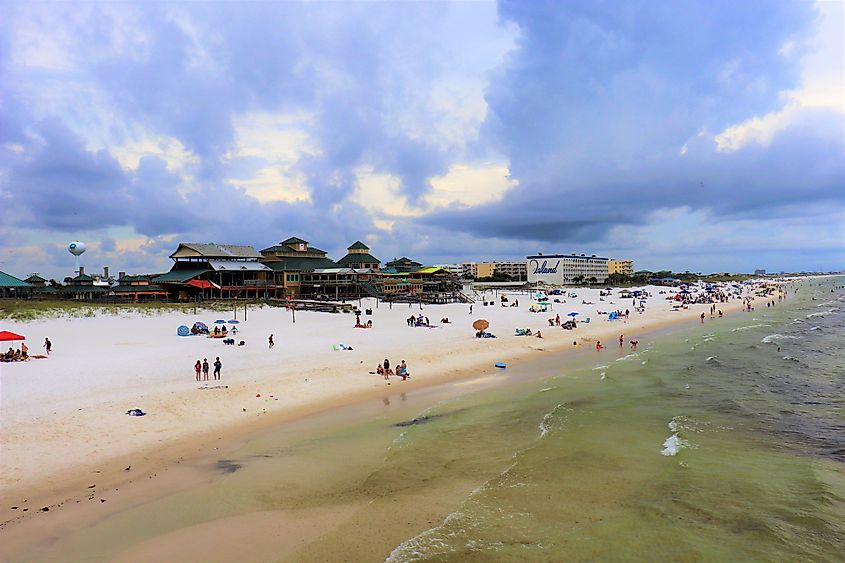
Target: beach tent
(6, 336)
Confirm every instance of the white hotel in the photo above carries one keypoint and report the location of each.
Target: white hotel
(562, 269)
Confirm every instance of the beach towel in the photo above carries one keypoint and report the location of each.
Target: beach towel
(136, 412)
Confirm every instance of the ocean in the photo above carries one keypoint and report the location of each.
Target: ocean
(712, 442)
(725, 441)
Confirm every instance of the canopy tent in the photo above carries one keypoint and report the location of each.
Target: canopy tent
(203, 284)
(6, 336)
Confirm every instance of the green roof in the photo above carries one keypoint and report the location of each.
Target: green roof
(294, 240)
(402, 261)
(180, 276)
(301, 264)
(358, 245)
(11, 281)
(82, 277)
(35, 278)
(358, 259)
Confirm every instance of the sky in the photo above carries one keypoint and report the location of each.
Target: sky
(687, 135)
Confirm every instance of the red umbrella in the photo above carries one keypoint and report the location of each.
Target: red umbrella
(6, 336)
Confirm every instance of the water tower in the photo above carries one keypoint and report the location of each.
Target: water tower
(77, 248)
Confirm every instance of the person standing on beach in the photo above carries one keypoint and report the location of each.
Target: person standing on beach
(702, 318)
(621, 340)
(198, 369)
(48, 345)
(470, 309)
(217, 367)
(270, 342)
(205, 369)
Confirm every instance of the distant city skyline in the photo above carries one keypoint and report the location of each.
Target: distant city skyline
(694, 136)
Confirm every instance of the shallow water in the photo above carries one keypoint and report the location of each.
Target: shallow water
(709, 443)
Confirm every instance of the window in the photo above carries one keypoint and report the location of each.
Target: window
(292, 277)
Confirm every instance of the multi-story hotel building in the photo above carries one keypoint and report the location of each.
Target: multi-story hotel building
(624, 267)
(561, 269)
(516, 270)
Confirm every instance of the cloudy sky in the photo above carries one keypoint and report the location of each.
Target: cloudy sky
(704, 135)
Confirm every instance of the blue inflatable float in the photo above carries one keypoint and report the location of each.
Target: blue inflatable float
(183, 331)
(500, 365)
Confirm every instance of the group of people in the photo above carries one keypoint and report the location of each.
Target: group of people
(418, 321)
(569, 324)
(201, 369)
(386, 371)
(359, 324)
(218, 331)
(20, 355)
(600, 346)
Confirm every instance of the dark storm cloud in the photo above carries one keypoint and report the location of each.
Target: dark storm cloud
(596, 103)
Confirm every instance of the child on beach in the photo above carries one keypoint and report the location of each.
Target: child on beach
(270, 342)
(598, 345)
(198, 369)
(205, 369)
(48, 345)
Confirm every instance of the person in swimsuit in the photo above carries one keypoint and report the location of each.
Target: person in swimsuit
(217, 367)
(198, 369)
(205, 369)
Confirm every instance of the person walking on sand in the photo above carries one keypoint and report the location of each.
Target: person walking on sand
(702, 318)
(205, 369)
(470, 309)
(48, 345)
(217, 367)
(621, 340)
(270, 342)
(198, 369)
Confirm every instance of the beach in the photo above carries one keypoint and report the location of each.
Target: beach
(64, 421)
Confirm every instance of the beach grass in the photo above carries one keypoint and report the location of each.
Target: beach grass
(37, 309)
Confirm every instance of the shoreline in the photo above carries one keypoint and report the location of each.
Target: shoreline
(147, 463)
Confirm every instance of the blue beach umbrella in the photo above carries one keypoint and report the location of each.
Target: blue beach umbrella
(219, 322)
(233, 322)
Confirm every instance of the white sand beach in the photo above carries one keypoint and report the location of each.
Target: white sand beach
(65, 416)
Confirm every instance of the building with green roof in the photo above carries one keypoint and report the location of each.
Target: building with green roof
(10, 286)
(358, 256)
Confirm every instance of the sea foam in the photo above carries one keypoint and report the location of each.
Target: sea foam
(773, 337)
(672, 445)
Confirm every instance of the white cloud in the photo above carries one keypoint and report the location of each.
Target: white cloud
(279, 141)
(169, 149)
(822, 84)
(463, 185)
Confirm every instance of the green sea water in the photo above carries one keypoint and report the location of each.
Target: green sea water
(716, 442)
